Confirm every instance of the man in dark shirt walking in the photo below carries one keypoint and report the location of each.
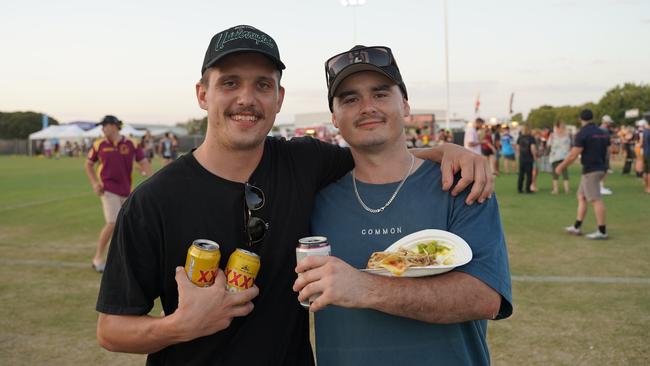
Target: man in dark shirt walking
(527, 152)
(591, 144)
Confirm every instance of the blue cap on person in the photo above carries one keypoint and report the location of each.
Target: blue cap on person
(241, 38)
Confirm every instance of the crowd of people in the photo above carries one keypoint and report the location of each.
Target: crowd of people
(546, 150)
(54, 149)
(166, 147)
(543, 149)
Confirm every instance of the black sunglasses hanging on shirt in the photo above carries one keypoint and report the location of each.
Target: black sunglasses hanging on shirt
(255, 227)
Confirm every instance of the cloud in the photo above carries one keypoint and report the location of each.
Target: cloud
(645, 21)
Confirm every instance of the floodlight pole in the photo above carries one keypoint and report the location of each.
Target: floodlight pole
(354, 25)
(447, 123)
(353, 4)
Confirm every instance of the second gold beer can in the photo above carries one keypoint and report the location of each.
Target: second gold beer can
(241, 270)
(202, 262)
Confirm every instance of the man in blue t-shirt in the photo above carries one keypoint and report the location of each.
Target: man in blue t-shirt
(591, 144)
(507, 151)
(365, 319)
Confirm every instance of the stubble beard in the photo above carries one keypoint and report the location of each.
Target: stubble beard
(246, 144)
(232, 139)
(371, 145)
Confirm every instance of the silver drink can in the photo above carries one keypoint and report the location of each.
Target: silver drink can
(308, 246)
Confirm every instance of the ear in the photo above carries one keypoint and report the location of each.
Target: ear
(200, 95)
(334, 121)
(406, 107)
(280, 99)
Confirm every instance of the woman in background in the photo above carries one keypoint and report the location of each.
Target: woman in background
(560, 144)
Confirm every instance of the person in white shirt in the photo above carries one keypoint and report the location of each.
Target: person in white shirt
(472, 140)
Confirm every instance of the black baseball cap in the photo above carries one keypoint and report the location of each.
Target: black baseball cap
(109, 119)
(241, 38)
(361, 58)
(586, 115)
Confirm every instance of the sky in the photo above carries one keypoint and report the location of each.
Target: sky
(140, 59)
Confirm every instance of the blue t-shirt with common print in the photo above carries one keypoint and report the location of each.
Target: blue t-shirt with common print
(369, 337)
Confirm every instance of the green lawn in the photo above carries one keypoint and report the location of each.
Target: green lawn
(49, 221)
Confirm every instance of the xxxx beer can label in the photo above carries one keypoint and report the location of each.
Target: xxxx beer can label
(202, 262)
(241, 270)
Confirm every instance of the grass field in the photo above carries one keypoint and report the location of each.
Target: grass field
(577, 302)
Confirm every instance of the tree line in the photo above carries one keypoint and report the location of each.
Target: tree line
(614, 104)
(19, 125)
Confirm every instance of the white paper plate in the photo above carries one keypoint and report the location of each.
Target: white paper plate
(461, 251)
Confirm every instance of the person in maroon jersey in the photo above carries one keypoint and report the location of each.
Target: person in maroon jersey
(112, 180)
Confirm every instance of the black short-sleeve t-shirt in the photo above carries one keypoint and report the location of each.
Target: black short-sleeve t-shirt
(594, 141)
(184, 202)
(525, 151)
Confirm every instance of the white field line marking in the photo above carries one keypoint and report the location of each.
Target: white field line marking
(43, 263)
(583, 279)
(37, 203)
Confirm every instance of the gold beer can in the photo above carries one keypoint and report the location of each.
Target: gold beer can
(202, 262)
(241, 270)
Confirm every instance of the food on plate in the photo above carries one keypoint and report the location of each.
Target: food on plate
(393, 262)
(430, 253)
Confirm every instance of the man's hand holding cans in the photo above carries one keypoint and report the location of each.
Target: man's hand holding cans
(206, 310)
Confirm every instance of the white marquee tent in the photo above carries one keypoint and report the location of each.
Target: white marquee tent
(73, 132)
(61, 132)
(64, 132)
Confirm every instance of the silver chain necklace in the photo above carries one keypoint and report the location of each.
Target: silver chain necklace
(378, 210)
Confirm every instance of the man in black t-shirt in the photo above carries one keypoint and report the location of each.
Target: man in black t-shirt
(527, 152)
(591, 144)
(202, 195)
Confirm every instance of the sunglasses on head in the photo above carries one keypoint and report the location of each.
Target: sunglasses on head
(379, 56)
(255, 227)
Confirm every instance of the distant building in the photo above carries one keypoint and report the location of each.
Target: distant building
(318, 125)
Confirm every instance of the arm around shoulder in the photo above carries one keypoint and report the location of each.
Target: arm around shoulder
(473, 168)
